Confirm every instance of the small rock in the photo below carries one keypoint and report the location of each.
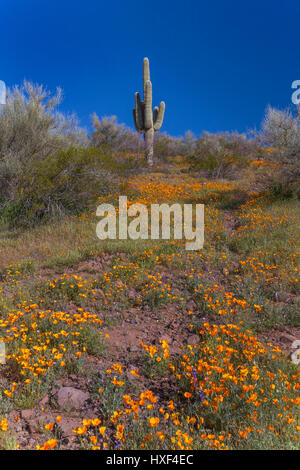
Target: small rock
(37, 424)
(193, 339)
(68, 424)
(100, 292)
(71, 398)
(26, 414)
(44, 400)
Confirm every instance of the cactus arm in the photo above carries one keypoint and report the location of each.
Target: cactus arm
(159, 116)
(155, 113)
(146, 74)
(134, 120)
(139, 130)
(139, 112)
(148, 106)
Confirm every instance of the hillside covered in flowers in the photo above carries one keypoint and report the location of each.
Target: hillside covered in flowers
(124, 344)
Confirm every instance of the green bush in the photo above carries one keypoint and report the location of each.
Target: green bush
(281, 131)
(64, 183)
(287, 184)
(282, 182)
(221, 155)
(31, 129)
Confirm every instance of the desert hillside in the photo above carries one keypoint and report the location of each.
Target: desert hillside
(123, 344)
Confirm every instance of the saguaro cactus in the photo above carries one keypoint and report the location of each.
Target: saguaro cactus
(145, 122)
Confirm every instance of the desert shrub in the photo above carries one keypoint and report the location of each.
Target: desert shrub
(121, 141)
(221, 155)
(116, 138)
(31, 129)
(190, 143)
(282, 181)
(60, 184)
(168, 146)
(281, 131)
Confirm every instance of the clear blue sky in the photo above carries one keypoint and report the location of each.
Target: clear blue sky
(216, 64)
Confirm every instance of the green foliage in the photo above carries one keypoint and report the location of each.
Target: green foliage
(113, 137)
(64, 183)
(281, 131)
(31, 129)
(282, 182)
(166, 145)
(221, 155)
(91, 340)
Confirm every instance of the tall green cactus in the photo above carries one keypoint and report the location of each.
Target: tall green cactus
(145, 122)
